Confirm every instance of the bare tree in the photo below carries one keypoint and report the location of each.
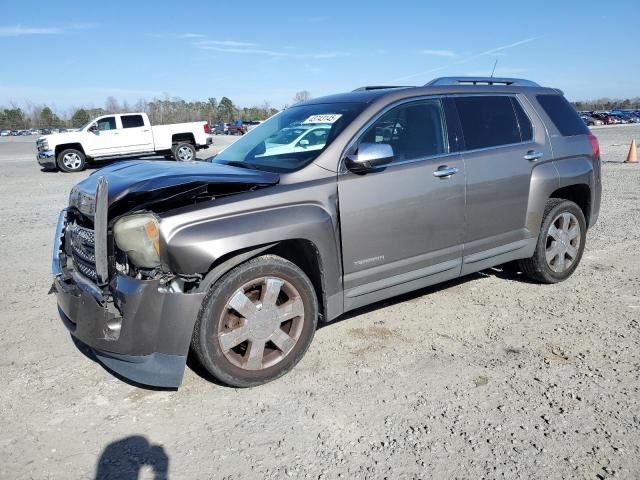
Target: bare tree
(111, 105)
(301, 96)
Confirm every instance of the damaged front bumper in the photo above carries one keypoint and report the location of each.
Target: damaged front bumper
(46, 158)
(139, 329)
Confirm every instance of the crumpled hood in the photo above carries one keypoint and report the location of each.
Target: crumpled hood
(153, 180)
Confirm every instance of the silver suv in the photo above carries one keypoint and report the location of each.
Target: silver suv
(330, 205)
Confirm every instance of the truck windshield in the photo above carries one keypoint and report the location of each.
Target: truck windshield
(291, 139)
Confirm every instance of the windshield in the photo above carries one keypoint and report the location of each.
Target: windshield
(291, 139)
(84, 126)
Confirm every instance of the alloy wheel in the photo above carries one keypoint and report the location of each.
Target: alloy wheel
(261, 323)
(184, 154)
(72, 161)
(563, 242)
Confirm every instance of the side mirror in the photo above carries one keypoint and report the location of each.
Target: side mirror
(370, 156)
(93, 127)
(304, 143)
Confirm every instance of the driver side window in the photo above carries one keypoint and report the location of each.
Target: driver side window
(107, 123)
(415, 130)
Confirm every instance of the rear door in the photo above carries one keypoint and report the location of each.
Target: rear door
(402, 226)
(136, 136)
(503, 141)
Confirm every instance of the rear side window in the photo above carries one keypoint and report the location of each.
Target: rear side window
(487, 121)
(563, 115)
(526, 129)
(132, 121)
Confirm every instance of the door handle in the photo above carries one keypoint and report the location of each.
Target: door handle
(445, 172)
(532, 155)
(145, 130)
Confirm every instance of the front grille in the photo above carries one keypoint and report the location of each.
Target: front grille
(83, 250)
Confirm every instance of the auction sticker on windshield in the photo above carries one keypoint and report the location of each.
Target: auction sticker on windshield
(324, 118)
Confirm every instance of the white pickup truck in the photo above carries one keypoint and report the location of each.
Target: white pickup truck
(121, 135)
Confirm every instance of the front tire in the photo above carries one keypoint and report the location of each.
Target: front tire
(560, 243)
(71, 160)
(184, 152)
(257, 322)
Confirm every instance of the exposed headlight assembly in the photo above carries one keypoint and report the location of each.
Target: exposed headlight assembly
(139, 237)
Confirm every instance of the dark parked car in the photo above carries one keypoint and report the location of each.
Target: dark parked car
(218, 128)
(591, 121)
(608, 119)
(236, 128)
(238, 260)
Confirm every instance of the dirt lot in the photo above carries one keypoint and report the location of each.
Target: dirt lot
(489, 376)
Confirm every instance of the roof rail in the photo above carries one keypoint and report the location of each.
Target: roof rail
(379, 87)
(516, 82)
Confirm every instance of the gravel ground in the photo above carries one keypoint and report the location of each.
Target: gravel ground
(489, 376)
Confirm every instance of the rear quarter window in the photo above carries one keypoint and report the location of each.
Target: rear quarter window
(526, 129)
(563, 115)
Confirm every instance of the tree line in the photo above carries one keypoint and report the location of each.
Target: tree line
(175, 110)
(160, 110)
(607, 104)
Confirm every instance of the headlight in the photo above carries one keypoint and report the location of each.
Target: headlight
(138, 236)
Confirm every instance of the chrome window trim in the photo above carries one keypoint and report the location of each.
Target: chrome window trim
(506, 145)
(342, 169)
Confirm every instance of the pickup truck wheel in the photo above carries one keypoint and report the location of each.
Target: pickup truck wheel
(184, 152)
(71, 160)
(560, 243)
(257, 322)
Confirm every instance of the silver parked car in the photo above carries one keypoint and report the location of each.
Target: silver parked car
(330, 205)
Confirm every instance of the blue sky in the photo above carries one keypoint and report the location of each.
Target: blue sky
(68, 53)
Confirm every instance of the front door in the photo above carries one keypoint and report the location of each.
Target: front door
(402, 227)
(106, 140)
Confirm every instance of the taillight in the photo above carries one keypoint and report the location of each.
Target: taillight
(595, 146)
(207, 130)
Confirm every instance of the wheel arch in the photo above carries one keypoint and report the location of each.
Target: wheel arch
(301, 252)
(66, 146)
(186, 137)
(303, 234)
(580, 194)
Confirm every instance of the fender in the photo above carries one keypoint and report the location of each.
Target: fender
(194, 248)
(544, 181)
(582, 171)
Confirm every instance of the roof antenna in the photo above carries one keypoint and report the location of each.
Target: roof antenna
(494, 68)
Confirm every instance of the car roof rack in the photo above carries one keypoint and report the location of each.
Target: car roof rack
(515, 82)
(379, 87)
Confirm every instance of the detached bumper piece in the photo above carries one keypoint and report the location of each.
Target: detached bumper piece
(137, 328)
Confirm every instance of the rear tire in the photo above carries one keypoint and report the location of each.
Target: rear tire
(184, 152)
(560, 244)
(256, 323)
(71, 160)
